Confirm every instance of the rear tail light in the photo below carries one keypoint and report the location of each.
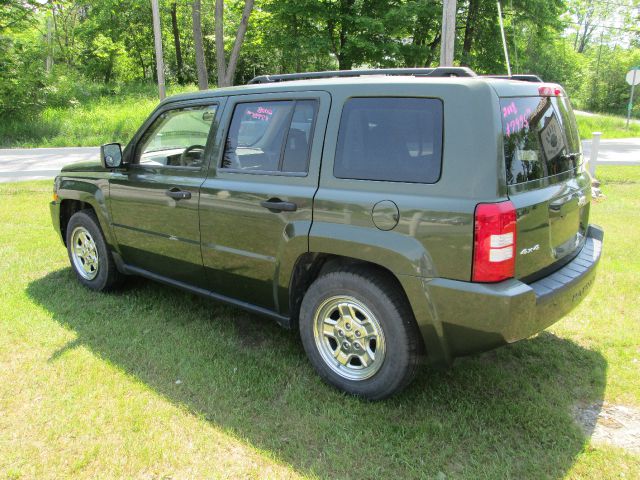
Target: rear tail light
(549, 91)
(494, 243)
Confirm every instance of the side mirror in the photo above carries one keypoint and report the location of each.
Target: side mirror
(111, 155)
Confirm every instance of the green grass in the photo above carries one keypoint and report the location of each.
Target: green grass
(610, 126)
(105, 119)
(152, 382)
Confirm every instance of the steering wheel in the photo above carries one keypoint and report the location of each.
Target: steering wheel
(184, 157)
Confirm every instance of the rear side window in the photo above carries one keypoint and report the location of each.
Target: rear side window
(270, 136)
(390, 139)
(540, 138)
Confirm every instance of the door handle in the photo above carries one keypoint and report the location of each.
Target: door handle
(178, 194)
(276, 205)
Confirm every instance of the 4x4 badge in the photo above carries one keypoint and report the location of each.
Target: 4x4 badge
(526, 251)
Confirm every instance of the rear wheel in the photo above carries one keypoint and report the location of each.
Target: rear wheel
(88, 253)
(359, 332)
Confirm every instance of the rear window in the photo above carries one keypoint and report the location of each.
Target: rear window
(540, 138)
(390, 139)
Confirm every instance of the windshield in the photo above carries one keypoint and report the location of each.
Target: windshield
(540, 137)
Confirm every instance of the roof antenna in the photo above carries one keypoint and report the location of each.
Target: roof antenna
(504, 40)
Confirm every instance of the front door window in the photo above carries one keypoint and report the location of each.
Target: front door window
(177, 138)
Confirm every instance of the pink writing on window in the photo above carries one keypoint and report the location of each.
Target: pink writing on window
(258, 116)
(261, 113)
(518, 123)
(510, 109)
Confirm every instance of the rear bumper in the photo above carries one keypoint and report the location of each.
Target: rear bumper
(472, 317)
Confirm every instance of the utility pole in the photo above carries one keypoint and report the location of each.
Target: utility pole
(448, 36)
(504, 40)
(157, 37)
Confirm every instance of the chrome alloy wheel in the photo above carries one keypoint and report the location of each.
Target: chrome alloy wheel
(84, 253)
(349, 338)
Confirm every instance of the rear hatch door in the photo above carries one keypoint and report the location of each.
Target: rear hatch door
(545, 182)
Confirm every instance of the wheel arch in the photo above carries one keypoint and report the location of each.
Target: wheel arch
(68, 207)
(312, 265)
(85, 194)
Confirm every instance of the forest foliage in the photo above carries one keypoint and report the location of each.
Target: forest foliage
(61, 53)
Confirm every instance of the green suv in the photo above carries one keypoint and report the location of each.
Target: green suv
(392, 216)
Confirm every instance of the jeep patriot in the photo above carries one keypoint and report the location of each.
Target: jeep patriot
(392, 216)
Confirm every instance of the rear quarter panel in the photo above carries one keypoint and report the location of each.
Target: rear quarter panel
(434, 234)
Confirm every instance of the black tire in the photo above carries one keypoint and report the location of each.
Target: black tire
(105, 276)
(382, 297)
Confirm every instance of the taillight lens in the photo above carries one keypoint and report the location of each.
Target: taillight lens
(549, 91)
(494, 244)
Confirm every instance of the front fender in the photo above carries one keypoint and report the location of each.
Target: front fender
(94, 192)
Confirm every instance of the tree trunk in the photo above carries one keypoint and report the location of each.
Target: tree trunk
(176, 42)
(237, 45)
(431, 53)
(141, 63)
(49, 63)
(469, 29)
(157, 42)
(201, 67)
(344, 63)
(588, 29)
(219, 32)
(226, 71)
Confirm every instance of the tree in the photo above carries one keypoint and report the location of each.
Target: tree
(588, 14)
(176, 42)
(226, 71)
(356, 31)
(15, 13)
(469, 29)
(67, 15)
(22, 55)
(201, 67)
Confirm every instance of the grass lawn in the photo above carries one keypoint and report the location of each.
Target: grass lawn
(90, 123)
(155, 383)
(610, 126)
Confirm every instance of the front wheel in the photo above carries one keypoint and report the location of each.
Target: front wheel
(88, 253)
(359, 332)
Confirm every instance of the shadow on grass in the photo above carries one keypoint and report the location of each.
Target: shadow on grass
(507, 413)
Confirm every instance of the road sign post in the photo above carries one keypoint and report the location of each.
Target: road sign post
(633, 78)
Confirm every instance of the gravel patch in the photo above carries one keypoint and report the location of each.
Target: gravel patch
(616, 425)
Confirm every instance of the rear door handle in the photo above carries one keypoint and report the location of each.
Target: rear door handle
(276, 205)
(178, 194)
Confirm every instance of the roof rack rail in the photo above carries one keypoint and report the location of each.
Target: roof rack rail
(415, 72)
(523, 77)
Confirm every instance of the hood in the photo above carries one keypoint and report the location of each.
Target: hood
(87, 166)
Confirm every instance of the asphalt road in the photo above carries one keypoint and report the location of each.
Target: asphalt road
(39, 163)
(21, 164)
(621, 151)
